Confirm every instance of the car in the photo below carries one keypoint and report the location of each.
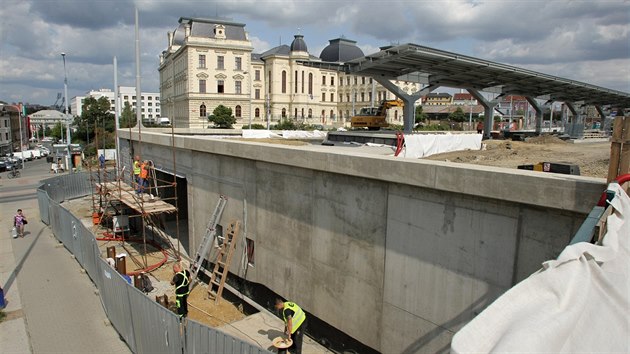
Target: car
(3, 166)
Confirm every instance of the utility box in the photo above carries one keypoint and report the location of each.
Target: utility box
(120, 223)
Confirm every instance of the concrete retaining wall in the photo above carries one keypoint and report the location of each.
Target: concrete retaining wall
(397, 253)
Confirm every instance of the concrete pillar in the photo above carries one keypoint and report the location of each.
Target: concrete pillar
(409, 110)
(488, 111)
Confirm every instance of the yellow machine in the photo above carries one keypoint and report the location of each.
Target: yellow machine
(374, 118)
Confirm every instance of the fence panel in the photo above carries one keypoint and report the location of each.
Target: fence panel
(75, 232)
(156, 328)
(65, 228)
(43, 202)
(53, 213)
(113, 291)
(202, 339)
(87, 249)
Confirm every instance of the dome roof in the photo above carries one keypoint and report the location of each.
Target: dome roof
(298, 44)
(341, 50)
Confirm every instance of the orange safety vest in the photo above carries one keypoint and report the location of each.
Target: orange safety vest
(144, 171)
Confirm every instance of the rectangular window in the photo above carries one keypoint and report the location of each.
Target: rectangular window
(257, 75)
(371, 81)
(323, 97)
(150, 104)
(220, 86)
(237, 87)
(340, 82)
(257, 94)
(220, 62)
(348, 80)
(332, 97)
(362, 96)
(355, 80)
(363, 80)
(324, 80)
(202, 61)
(340, 97)
(238, 63)
(150, 98)
(370, 96)
(202, 86)
(332, 81)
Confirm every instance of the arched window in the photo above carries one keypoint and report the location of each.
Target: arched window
(284, 81)
(332, 114)
(310, 113)
(237, 112)
(310, 84)
(284, 113)
(302, 113)
(295, 114)
(202, 110)
(257, 112)
(323, 113)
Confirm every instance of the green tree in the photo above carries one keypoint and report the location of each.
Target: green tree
(95, 123)
(222, 117)
(420, 115)
(127, 117)
(458, 115)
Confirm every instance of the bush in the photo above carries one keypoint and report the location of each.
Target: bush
(255, 126)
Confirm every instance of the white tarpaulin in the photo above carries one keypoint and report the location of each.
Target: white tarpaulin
(286, 134)
(422, 145)
(258, 134)
(577, 303)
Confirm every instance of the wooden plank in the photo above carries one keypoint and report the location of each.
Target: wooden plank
(127, 195)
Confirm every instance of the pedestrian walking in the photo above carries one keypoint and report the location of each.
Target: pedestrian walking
(19, 220)
(181, 280)
(101, 160)
(294, 323)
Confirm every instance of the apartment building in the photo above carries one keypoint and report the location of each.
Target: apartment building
(150, 101)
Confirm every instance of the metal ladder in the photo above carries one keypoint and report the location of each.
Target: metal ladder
(224, 258)
(208, 240)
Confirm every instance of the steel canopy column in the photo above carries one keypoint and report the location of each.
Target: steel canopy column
(539, 112)
(409, 108)
(488, 111)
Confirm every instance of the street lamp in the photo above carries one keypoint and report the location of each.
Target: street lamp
(65, 91)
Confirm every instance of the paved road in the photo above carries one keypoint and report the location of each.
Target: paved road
(51, 305)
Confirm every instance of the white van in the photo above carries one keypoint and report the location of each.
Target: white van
(163, 121)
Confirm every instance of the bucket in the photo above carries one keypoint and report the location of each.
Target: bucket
(96, 218)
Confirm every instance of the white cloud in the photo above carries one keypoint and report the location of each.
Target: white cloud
(583, 40)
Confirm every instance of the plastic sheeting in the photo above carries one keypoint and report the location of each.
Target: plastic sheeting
(577, 303)
(422, 145)
(286, 134)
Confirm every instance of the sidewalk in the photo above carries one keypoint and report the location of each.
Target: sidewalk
(52, 305)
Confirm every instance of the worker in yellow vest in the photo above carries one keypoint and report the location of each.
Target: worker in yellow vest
(136, 172)
(181, 280)
(295, 323)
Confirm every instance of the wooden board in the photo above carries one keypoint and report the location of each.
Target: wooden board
(127, 195)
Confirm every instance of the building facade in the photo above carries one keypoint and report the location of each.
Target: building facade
(150, 101)
(211, 62)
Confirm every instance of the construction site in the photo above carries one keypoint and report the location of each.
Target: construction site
(361, 239)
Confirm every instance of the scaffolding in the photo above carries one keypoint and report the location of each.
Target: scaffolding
(116, 203)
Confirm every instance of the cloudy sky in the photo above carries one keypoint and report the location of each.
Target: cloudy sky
(581, 40)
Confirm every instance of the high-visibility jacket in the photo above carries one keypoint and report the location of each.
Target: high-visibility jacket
(184, 284)
(298, 315)
(136, 168)
(144, 171)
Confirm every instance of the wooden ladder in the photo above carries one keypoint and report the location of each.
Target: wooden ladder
(222, 264)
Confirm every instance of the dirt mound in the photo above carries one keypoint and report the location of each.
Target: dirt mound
(545, 139)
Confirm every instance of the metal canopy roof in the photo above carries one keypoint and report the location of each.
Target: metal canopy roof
(436, 67)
